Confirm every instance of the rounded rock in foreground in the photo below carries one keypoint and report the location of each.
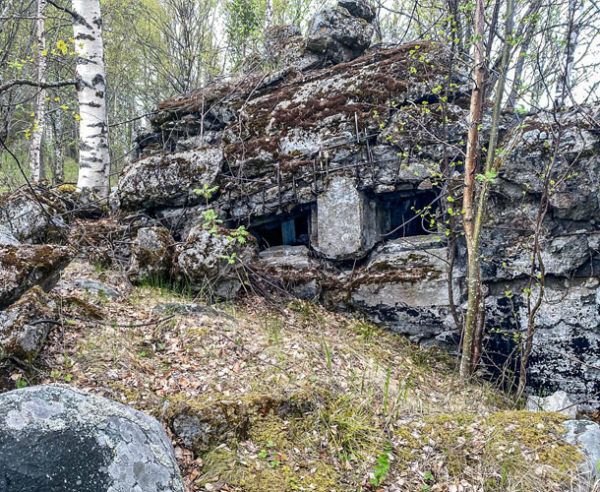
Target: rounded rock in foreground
(585, 434)
(57, 439)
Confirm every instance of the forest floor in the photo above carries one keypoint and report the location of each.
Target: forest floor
(292, 397)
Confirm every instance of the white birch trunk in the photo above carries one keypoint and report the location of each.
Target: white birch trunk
(269, 13)
(94, 160)
(36, 164)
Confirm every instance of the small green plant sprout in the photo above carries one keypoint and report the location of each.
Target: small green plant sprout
(230, 258)
(489, 177)
(206, 191)
(382, 466)
(211, 220)
(429, 478)
(239, 235)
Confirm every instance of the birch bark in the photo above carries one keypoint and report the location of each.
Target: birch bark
(94, 159)
(36, 164)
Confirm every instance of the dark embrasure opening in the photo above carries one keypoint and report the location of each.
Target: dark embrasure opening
(405, 213)
(291, 229)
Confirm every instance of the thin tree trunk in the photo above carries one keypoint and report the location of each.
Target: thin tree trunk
(268, 13)
(476, 306)
(58, 172)
(572, 36)
(475, 115)
(36, 164)
(520, 65)
(94, 159)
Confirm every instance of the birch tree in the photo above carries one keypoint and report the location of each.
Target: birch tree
(94, 160)
(36, 164)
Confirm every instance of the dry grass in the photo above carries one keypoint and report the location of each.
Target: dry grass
(351, 394)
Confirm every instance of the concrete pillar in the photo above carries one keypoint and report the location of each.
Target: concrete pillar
(341, 219)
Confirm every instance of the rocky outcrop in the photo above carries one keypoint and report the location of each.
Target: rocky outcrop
(25, 266)
(566, 342)
(157, 180)
(151, 255)
(78, 441)
(25, 325)
(585, 434)
(36, 216)
(212, 261)
(341, 34)
(404, 287)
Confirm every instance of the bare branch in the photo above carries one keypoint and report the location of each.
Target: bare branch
(33, 83)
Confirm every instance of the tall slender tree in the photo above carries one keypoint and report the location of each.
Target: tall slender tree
(474, 213)
(36, 163)
(471, 162)
(563, 82)
(94, 157)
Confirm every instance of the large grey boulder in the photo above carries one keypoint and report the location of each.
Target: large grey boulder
(151, 254)
(558, 401)
(58, 439)
(585, 434)
(338, 35)
(24, 266)
(358, 8)
(25, 325)
(168, 179)
(34, 218)
(576, 197)
(212, 261)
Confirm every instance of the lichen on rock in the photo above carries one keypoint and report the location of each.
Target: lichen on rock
(25, 266)
(35, 216)
(24, 326)
(151, 255)
(212, 261)
(83, 441)
(157, 180)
